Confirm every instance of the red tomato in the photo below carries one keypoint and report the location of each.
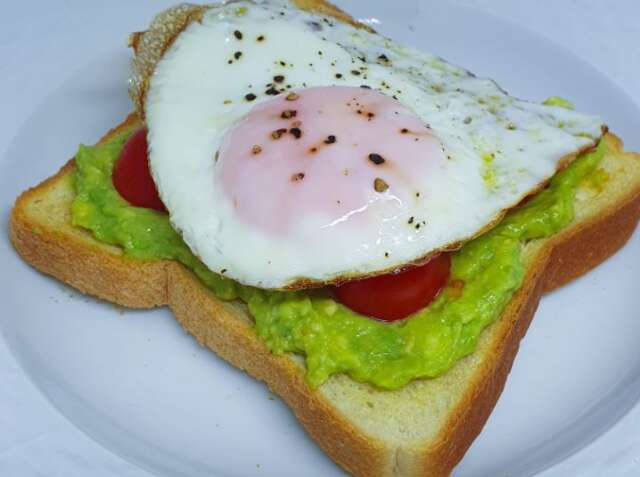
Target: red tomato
(131, 175)
(396, 295)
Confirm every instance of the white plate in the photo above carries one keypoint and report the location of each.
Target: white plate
(136, 383)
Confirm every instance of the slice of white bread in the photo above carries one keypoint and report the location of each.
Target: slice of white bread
(421, 429)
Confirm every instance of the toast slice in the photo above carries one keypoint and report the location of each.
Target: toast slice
(422, 429)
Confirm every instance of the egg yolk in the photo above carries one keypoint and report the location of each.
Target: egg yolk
(334, 153)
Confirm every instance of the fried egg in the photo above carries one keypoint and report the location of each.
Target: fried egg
(294, 150)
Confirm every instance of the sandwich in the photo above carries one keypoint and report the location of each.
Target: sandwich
(363, 226)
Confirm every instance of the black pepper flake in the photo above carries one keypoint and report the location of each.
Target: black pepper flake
(238, 34)
(418, 226)
(379, 185)
(224, 270)
(377, 159)
(410, 221)
(272, 91)
(467, 120)
(229, 62)
(370, 116)
(278, 78)
(417, 194)
(313, 150)
(260, 38)
(386, 254)
(292, 97)
(338, 75)
(365, 86)
(217, 155)
(384, 59)
(404, 131)
(282, 63)
(237, 55)
(250, 97)
(355, 72)
(296, 132)
(289, 113)
(330, 139)
(277, 134)
(297, 177)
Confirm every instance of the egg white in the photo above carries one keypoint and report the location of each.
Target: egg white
(499, 148)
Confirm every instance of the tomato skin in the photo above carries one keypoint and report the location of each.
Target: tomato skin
(132, 177)
(396, 295)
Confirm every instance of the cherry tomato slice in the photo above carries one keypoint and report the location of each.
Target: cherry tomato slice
(395, 296)
(131, 176)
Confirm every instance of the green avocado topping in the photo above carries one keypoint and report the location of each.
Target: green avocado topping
(558, 101)
(485, 274)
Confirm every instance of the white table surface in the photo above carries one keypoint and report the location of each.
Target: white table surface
(39, 39)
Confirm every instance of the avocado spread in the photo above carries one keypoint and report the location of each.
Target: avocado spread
(485, 274)
(558, 101)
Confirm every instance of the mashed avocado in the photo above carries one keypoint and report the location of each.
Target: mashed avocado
(484, 276)
(558, 101)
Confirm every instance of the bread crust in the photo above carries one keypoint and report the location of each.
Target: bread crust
(73, 256)
(79, 260)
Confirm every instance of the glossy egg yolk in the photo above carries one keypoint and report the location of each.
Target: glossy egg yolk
(335, 155)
